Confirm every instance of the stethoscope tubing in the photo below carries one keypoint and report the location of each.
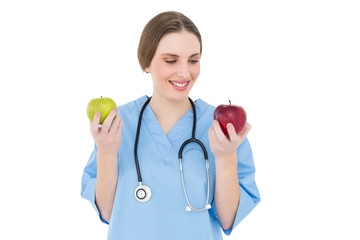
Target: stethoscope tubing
(137, 141)
(190, 207)
(143, 192)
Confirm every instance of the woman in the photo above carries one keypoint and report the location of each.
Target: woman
(170, 50)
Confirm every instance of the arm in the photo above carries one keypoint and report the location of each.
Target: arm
(108, 140)
(227, 189)
(107, 175)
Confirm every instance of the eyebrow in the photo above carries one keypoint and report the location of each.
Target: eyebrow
(174, 55)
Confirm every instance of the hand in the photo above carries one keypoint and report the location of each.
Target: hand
(107, 137)
(223, 147)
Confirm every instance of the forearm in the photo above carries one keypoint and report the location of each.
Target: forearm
(107, 176)
(227, 190)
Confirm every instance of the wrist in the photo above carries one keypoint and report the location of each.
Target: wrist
(106, 152)
(104, 156)
(226, 161)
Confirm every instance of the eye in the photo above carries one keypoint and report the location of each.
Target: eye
(170, 61)
(194, 61)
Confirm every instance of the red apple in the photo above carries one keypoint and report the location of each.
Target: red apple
(230, 114)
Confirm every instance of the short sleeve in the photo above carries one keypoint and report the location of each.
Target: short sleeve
(88, 182)
(249, 193)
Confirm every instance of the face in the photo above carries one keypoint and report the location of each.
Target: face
(175, 65)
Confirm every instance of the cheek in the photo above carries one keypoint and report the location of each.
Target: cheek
(195, 71)
(162, 71)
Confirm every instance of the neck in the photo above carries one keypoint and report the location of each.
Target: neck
(168, 112)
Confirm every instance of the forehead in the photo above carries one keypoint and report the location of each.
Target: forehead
(181, 43)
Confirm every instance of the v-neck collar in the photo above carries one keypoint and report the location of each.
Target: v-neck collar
(167, 142)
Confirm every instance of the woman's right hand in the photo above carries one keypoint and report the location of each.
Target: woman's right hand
(108, 140)
(107, 137)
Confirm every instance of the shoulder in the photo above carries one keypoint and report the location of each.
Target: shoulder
(205, 116)
(132, 107)
(204, 109)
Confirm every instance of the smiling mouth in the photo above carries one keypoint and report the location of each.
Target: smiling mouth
(177, 84)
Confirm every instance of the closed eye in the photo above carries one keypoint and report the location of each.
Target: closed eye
(171, 62)
(194, 61)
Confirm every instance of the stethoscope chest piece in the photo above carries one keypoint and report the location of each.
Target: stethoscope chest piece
(142, 193)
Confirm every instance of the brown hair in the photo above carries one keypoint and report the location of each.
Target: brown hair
(156, 28)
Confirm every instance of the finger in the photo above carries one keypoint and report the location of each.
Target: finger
(109, 119)
(232, 132)
(246, 130)
(118, 130)
(211, 133)
(94, 125)
(114, 125)
(218, 132)
(212, 138)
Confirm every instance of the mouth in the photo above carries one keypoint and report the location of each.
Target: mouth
(179, 84)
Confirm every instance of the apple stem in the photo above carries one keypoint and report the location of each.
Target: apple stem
(100, 96)
(229, 102)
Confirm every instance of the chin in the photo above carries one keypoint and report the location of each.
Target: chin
(177, 98)
(180, 96)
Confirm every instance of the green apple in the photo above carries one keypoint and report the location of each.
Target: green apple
(103, 105)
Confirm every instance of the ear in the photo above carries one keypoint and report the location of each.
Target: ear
(147, 70)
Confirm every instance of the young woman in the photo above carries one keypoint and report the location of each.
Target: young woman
(150, 198)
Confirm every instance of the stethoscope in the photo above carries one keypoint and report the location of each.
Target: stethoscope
(143, 192)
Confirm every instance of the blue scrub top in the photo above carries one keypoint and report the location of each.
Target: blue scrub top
(164, 215)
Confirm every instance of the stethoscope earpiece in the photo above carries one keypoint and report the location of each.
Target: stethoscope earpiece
(191, 209)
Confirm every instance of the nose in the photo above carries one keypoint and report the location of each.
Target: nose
(183, 71)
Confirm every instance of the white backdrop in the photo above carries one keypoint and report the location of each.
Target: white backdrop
(293, 65)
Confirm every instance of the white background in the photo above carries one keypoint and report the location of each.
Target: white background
(293, 65)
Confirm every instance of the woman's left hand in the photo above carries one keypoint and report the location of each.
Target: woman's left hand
(227, 189)
(223, 147)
